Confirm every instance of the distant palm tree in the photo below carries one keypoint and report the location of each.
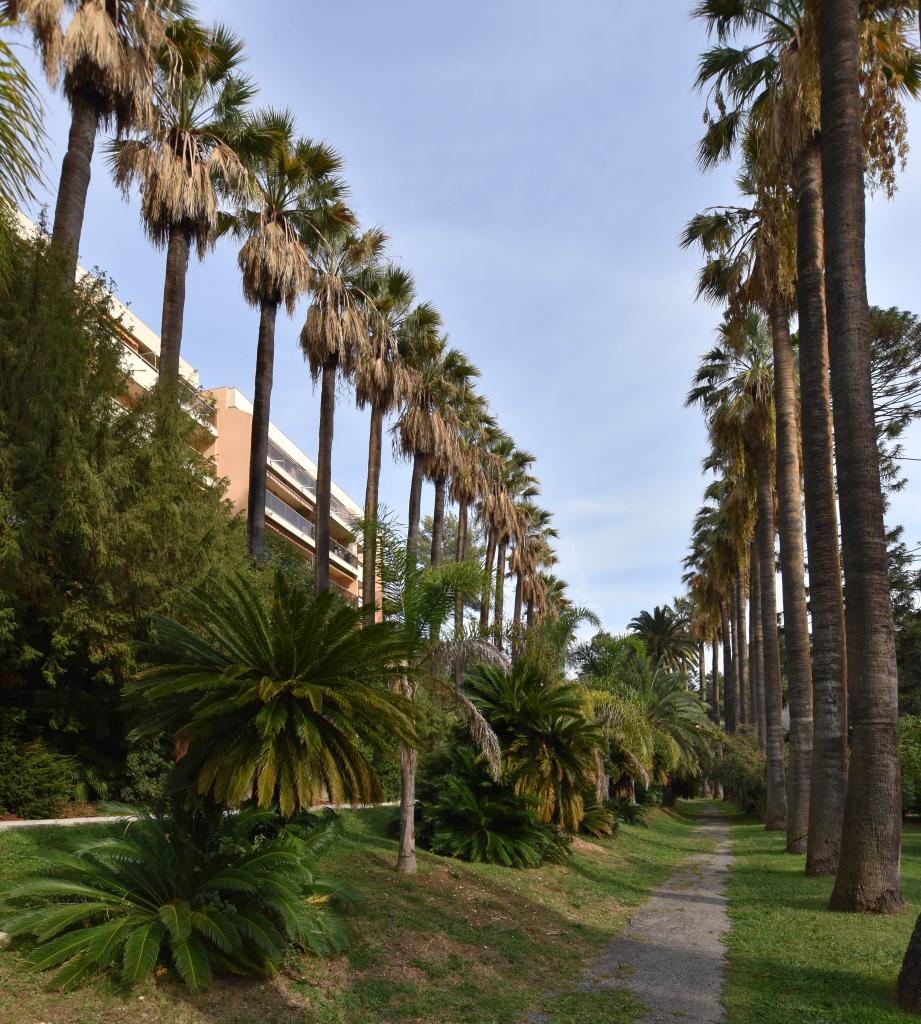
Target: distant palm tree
(665, 637)
(295, 189)
(734, 386)
(194, 147)
(335, 337)
(106, 59)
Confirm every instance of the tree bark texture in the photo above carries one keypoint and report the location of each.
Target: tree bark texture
(324, 472)
(259, 436)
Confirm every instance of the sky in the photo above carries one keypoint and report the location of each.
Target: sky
(533, 164)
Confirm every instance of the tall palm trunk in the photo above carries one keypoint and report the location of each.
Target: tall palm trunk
(324, 472)
(461, 555)
(501, 549)
(729, 706)
(259, 437)
(829, 762)
(776, 804)
(177, 268)
(741, 651)
(438, 521)
(415, 510)
(793, 576)
(76, 168)
(516, 617)
(757, 642)
(715, 681)
(487, 582)
(868, 873)
(701, 669)
(406, 856)
(529, 614)
(372, 499)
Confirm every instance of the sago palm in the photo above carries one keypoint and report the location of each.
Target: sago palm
(272, 697)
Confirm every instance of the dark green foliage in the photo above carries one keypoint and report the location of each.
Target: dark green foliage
(628, 812)
(198, 891)
(463, 812)
(148, 767)
(549, 748)
(274, 695)
(599, 820)
(910, 759)
(34, 781)
(102, 511)
(741, 770)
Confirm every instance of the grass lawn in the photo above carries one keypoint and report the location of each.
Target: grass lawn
(791, 961)
(455, 944)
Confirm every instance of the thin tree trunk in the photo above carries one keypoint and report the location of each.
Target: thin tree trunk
(715, 681)
(177, 267)
(868, 876)
(372, 498)
(487, 582)
(702, 669)
(324, 472)
(461, 556)
(776, 804)
(259, 437)
(438, 521)
(757, 645)
(530, 614)
(406, 856)
(76, 168)
(415, 511)
(741, 651)
(516, 620)
(829, 763)
(729, 707)
(793, 580)
(498, 623)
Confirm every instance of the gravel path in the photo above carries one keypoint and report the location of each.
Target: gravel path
(670, 956)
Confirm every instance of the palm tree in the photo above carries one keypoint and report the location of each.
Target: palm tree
(380, 379)
(868, 876)
(335, 337)
(294, 189)
(734, 385)
(22, 144)
(419, 601)
(428, 429)
(267, 694)
(748, 251)
(192, 148)
(665, 637)
(106, 59)
(771, 84)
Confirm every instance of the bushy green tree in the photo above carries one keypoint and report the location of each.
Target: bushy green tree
(104, 510)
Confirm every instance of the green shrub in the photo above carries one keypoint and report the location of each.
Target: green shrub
(598, 820)
(148, 766)
(464, 813)
(741, 770)
(196, 891)
(628, 812)
(910, 757)
(35, 782)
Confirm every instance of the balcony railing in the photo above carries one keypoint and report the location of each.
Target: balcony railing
(345, 594)
(278, 460)
(343, 552)
(306, 479)
(292, 518)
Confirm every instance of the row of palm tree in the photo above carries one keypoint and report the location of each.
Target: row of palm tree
(809, 99)
(206, 164)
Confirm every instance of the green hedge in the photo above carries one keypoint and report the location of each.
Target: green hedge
(34, 782)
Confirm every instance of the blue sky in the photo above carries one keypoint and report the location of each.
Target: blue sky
(533, 163)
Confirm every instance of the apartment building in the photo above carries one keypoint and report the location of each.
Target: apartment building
(291, 489)
(291, 477)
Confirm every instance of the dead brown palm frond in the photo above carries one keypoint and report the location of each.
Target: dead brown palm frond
(273, 263)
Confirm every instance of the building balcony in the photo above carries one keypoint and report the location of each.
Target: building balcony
(306, 531)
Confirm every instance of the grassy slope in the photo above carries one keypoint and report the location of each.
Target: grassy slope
(791, 960)
(456, 944)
